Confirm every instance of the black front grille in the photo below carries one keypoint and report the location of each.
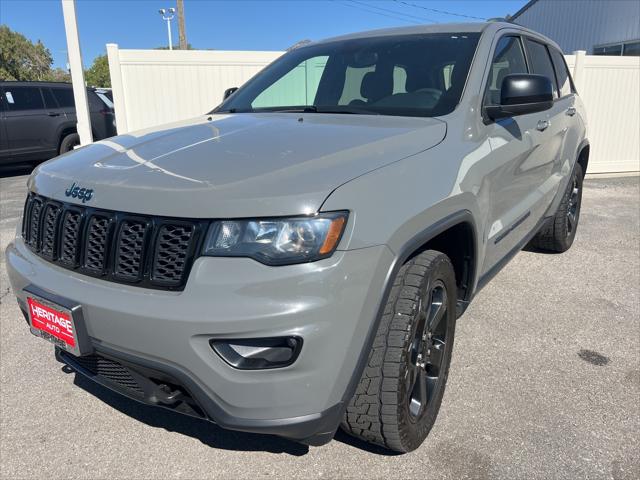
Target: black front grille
(49, 225)
(112, 371)
(97, 238)
(131, 241)
(69, 241)
(171, 252)
(153, 252)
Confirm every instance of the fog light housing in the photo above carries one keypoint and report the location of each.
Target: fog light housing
(258, 353)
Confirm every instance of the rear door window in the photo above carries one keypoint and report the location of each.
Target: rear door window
(540, 62)
(562, 72)
(64, 96)
(23, 98)
(508, 59)
(49, 101)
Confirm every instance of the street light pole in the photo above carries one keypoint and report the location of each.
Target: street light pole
(167, 15)
(169, 33)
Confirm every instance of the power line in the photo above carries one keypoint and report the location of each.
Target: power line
(369, 5)
(357, 7)
(444, 12)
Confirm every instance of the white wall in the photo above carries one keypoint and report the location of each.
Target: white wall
(152, 87)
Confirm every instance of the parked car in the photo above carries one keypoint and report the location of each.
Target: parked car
(298, 258)
(38, 120)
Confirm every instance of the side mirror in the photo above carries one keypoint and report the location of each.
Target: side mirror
(228, 92)
(521, 94)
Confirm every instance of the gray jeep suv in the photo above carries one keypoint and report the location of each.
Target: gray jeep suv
(296, 260)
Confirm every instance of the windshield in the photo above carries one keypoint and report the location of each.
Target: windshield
(411, 75)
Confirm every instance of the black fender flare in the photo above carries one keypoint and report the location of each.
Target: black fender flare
(407, 250)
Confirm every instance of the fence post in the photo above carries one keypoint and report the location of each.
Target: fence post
(117, 88)
(578, 68)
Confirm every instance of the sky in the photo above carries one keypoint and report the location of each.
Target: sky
(229, 24)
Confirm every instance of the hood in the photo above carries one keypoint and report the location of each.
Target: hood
(239, 165)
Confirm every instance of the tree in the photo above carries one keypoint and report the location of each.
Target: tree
(21, 59)
(98, 74)
(189, 47)
(58, 75)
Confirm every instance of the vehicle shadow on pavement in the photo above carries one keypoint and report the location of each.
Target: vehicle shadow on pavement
(207, 432)
(16, 171)
(362, 445)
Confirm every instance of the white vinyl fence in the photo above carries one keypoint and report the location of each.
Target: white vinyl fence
(152, 87)
(610, 90)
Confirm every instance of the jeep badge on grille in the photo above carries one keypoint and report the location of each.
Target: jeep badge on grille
(83, 194)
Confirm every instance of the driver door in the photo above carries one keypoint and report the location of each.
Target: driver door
(519, 164)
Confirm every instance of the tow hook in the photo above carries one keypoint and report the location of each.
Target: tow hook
(163, 394)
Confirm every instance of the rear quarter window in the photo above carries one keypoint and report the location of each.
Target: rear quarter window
(95, 104)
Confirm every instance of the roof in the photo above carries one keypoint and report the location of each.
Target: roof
(469, 27)
(475, 27)
(526, 7)
(35, 84)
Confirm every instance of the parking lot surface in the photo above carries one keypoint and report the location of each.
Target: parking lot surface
(545, 383)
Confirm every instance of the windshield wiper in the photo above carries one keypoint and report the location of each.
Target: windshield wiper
(305, 109)
(346, 110)
(300, 109)
(320, 109)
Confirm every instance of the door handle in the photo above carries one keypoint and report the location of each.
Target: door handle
(571, 111)
(53, 114)
(543, 125)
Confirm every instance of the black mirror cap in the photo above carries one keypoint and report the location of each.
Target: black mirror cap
(521, 94)
(228, 92)
(521, 88)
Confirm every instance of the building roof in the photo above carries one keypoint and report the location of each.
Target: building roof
(526, 7)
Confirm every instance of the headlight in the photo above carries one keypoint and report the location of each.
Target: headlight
(277, 241)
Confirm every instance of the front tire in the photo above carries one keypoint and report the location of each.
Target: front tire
(558, 234)
(69, 142)
(399, 395)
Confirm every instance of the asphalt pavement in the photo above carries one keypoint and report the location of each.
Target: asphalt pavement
(544, 384)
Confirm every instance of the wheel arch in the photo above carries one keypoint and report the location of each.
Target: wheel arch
(435, 234)
(583, 155)
(455, 236)
(64, 131)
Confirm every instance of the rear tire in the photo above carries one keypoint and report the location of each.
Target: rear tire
(558, 234)
(69, 142)
(400, 392)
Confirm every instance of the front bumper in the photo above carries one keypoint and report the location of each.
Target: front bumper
(331, 304)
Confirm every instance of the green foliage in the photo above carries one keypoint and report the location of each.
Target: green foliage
(175, 47)
(58, 75)
(98, 74)
(21, 59)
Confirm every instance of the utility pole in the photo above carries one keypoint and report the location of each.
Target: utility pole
(77, 73)
(182, 34)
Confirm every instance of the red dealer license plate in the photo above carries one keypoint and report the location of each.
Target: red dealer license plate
(53, 323)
